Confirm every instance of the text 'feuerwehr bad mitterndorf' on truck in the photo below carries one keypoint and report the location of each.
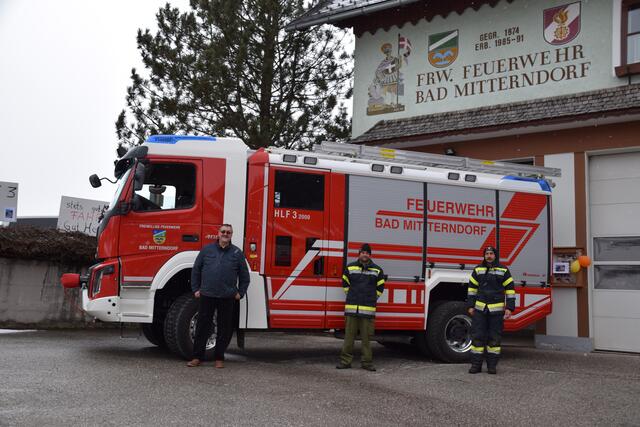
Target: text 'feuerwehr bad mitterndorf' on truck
(300, 217)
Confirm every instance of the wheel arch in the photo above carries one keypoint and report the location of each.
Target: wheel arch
(444, 285)
(177, 263)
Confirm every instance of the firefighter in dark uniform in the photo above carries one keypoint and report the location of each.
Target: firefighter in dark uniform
(363, 282)
(491, 298)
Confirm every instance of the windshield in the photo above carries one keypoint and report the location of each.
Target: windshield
(121, 184)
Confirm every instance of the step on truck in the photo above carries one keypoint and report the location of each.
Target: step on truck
(300, 216)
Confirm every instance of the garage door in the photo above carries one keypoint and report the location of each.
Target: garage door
(614, 202)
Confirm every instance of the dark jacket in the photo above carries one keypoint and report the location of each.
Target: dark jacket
(488, 287)
(363, 285)
(220, 272)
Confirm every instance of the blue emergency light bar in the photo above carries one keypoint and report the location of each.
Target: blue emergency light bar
(542, 182)
(172, 139)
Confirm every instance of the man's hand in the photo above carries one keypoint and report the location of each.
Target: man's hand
(471, 310)
(237, 297)
(196, 294)
(507, 314)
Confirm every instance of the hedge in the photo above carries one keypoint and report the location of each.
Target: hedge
(47, 244)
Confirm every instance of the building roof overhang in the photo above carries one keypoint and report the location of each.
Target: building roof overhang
(602, 106)
(371, 15)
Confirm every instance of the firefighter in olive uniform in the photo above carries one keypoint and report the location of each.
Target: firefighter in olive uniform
(363, 282)
(490, 286)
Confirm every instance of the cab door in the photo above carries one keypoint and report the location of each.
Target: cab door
(165, 218)
(297, 221)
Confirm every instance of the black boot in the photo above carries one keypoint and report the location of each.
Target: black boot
(492, 363)
(476, 364)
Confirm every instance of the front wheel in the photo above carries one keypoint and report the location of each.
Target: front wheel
(448, 334)
(180, 328)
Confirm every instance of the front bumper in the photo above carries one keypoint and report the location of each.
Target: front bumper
(106, 309)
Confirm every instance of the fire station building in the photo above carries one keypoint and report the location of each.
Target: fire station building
(547, 82)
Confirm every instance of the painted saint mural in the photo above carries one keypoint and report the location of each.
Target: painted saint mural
(387, 87)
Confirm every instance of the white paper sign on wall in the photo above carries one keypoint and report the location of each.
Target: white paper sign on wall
(8, 201)
(81, 215)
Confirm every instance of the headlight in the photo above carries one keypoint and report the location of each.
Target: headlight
(97, 283)
(99, 276)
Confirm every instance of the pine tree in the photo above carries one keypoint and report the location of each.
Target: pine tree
(227, 68)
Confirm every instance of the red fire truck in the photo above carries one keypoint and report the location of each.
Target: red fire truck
(299, 217)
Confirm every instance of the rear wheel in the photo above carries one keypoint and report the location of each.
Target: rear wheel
(448, 334)
(180, 328)
(154, 333)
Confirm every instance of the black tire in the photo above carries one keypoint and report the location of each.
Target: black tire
(178, 327)
(154, 333)
(448, 334)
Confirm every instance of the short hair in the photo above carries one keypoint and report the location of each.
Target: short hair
(227, 225)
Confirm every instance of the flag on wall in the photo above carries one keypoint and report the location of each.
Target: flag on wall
(404, 44)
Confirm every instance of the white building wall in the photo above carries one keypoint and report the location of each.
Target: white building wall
(564, 319)
(563, 200)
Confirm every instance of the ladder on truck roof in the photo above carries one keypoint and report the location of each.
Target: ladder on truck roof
(364, 152)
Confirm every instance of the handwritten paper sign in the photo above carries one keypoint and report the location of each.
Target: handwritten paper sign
(8, 201)
(81, 215)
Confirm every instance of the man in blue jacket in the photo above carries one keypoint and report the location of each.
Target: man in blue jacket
(219, 277)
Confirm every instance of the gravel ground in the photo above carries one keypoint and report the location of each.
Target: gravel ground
(97, 378)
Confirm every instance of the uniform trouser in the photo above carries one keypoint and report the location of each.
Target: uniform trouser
(224, 322)
(486, 334)
(353, 324)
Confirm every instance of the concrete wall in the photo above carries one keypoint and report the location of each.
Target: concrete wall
(31, 296)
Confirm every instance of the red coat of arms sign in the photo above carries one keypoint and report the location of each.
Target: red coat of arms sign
(562, 23)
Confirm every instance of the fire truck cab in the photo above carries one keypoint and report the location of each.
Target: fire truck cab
(300, 217)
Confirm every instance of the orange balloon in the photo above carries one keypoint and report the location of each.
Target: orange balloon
(584, 261)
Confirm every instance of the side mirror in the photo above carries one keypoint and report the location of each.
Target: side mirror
(95, 181)
(138, 178)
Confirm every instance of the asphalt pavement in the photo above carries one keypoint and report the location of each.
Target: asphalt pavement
(98, 378)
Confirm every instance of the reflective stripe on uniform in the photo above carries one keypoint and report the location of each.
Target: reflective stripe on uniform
(354, 268)
(346, 278)
(481, 269)
(472, 291)
(345, 289)
(474, 281)
(380, 282)
(374, 269)
(494, 350)
(477, 350)
(506, 282)
(378, 293)
(499, 306)
(510, 293)
(352, 308)
(499, 268)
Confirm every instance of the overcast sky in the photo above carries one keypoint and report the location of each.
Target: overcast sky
(64, 69)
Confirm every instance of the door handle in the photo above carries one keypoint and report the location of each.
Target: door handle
(190, 238)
